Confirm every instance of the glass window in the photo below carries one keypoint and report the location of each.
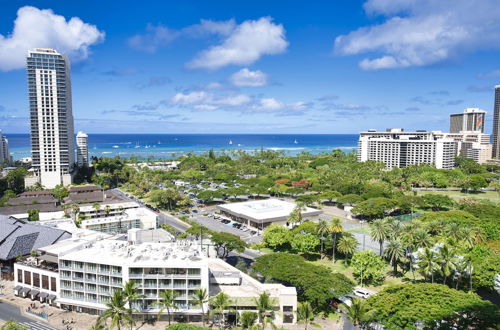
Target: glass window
(36, 280)
(20, 276)
(45, 282)
(27, 277)
(194, 271)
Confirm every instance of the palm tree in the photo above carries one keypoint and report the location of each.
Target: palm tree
(220, 303)
(265, 304)
(76, 209)
(395, 252)
(379, 231)
(347, 245)
(131, 293)
(422, 238)
(447, 260)
(96, 207)
(200, 298)
(335, 229)
(322, 230)
(305, 313)
(395, 228)
(167, 301)
(117, 311)
(357, 313)
(427, 263)
(470, 236)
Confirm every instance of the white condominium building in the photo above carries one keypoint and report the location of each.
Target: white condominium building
(82, 149)
(81, 274)
(51, 116)
(4, 150)
(396, 148)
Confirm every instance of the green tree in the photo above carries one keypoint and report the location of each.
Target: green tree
(221, 303)
(358, 313)
(167, 302)
(117, 310)
(432, 305)
(248, 319)
(335, 228)
(347, 245)
(12, 325)
(427, 263)
(226, 242)
(379, 231)
(200, 298)
(97, 207)
(305, 243)
(368, 268)
(131, 293)
(276, 236)
(322, 230)
(438, 202)
(61, 192)
(375, 207)
(265, 306)
(395, 252)
(33, 215)
(305, 313)
(447, 260)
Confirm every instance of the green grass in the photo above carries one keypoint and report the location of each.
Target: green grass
(489, 195)
(361, 230)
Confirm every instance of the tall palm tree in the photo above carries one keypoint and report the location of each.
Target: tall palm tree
(200, 298)
(422, 238)
(447, 260)
(395, 252)
(305, 313)
(220, 303)
(358, 312)
(395, 228)
(265, 304)
(322, 230)
(379, 231)
(335, 228)
(427, 263)
(167, 301)
(117, 310)
(470, 236)
(347, 245)
(132, 294)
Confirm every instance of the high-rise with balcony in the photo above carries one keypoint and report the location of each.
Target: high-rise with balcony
(51, 116)
(82, 149)
(496, 123)
(472, 119)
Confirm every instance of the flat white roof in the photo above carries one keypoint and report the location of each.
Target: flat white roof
(265, 210)
(182, 254)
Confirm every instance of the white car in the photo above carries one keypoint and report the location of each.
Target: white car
(363, 292)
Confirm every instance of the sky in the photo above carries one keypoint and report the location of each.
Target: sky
(338, 66)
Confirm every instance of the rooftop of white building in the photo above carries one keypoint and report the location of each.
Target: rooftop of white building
(266, 209)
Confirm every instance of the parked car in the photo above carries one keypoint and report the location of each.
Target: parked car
(362, 292)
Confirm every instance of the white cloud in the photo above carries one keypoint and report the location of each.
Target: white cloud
(202, 100)
(42, 28)
(246, 44)
(207, 27)
(421, 33)
(269, 103)
(248, 78)
(153, 38)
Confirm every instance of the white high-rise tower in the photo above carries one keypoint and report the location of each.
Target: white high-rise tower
(4, 150)
(51, 116)
(82, 149)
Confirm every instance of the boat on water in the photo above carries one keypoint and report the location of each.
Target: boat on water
(116, 147)
(239, 145)
(230, 142)
(296, 142)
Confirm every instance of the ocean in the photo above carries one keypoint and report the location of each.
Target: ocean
(173, 145)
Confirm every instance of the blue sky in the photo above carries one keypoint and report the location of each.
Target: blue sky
(257, 66)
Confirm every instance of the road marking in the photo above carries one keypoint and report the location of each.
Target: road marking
(37, 326)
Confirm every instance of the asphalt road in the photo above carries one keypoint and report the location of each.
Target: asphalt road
(11, 312)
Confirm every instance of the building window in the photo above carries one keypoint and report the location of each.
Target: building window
(20, 276)
(36, 280)
(27, 277)
(45, 282)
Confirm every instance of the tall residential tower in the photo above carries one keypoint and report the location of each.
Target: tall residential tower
(4, 150)
(82, 149)
(496, 123)
(51, 116)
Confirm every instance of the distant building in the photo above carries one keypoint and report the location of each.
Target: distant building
(472, 119)
(397, 148)
(496, 124)
(51, 117)
(5, 157)
(82, 149)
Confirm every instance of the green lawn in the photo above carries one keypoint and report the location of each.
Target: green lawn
(489, 195)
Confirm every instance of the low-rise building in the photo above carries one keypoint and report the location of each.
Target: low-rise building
(141, 218)
(261, 213)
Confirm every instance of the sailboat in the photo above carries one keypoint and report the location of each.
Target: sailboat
(230, 142)
(137, 145)
(296, 142)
